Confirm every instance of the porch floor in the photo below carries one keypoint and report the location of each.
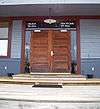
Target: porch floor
(66, 94)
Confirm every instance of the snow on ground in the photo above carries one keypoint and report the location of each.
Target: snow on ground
(14, 96)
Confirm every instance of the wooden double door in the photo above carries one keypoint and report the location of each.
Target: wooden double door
(50, 51)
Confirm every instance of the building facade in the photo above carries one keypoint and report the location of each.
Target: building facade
(25, 39)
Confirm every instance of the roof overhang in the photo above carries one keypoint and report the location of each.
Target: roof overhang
(43, 10)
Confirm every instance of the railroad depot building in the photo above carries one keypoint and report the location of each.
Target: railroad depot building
(49, 36)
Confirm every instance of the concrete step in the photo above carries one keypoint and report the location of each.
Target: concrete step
(43, 77)
(86, 81)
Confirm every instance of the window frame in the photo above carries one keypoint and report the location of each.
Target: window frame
(9, 40)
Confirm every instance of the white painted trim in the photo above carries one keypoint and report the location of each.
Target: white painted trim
(15, 2)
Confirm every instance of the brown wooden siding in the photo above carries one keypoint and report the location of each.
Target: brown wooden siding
(40, 51)
(62, 51)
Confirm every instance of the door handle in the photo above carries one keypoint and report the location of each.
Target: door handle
(52, 53)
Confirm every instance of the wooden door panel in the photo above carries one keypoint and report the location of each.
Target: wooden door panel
(41, 46)
(39, 52)
(61, 41)
(60, 65)
(60, 58)
(61, 48)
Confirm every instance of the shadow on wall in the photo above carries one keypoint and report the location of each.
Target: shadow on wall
(27, 67)
(73, 67)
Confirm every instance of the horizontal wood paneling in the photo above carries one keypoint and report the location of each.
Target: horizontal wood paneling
(45, 42)
(62, 51)
(3, 32)
(16, 39)
(90, 38)
(12, 65)
(39, 52)
(73, 46)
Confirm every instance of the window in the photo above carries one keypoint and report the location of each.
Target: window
(3, 38)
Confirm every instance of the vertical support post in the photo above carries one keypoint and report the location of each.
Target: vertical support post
(22, 49)
(9, 39)
(78, 46)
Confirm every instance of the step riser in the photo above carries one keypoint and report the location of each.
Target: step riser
(47, 79)
(53, 76)
(52, 73)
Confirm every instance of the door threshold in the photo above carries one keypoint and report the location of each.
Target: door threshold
(50, 73)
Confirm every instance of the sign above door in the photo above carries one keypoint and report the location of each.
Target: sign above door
(69, 25)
